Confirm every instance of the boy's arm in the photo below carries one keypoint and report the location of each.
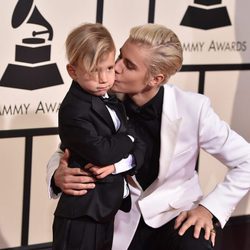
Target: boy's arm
(130, 164)
(99, 150)
(139, 150)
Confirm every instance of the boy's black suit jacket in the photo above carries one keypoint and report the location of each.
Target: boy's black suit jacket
(87, 130)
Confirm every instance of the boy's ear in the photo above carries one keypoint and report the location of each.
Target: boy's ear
(156, 80)
(72, 71)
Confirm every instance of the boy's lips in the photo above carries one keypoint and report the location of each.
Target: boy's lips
(104, 88)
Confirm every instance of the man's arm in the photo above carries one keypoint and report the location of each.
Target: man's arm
(72, 181)
(233, 151)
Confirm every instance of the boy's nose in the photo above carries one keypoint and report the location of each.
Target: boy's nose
(102, 77)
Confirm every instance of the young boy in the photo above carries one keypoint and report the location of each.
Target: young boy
(94, 130)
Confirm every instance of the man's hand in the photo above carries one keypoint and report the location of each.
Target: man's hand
(72, 181)
(199, 217)
(100, 172)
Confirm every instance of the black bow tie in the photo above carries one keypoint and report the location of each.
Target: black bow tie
(111, 101)
(114, 103)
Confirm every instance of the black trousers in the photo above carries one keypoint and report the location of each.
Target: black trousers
(82, 234)
(167, 238)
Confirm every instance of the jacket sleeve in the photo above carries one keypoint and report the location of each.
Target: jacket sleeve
(139, 151)
(219, 140)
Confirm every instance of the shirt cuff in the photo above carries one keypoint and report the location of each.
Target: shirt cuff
(51, 168)
(124, 164)
(131, 137)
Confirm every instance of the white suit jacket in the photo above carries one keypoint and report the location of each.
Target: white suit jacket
(188, 124)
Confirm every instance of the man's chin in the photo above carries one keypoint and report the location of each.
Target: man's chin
(111, 91)
(116, 89)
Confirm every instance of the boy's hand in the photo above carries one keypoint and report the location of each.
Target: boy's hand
(100, 172)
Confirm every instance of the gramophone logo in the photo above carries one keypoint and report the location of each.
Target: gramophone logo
(32, 51)
(207, 15)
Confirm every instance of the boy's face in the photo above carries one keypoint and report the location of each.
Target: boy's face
(98, 82)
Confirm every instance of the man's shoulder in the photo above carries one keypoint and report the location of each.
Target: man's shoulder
(186, 102)
(185, 95)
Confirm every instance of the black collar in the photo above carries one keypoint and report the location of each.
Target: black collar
(149, 111)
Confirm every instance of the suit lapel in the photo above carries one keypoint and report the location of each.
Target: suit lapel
(170, 123)
(99, 107)
(122, 117)
(169, 130)
(97, 104)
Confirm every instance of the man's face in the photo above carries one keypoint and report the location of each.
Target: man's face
(131, 72)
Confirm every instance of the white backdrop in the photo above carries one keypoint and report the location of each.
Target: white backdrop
(27, 109)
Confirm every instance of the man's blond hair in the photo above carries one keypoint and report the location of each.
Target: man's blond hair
(166, 54)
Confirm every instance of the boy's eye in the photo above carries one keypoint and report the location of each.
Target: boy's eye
(110, 68)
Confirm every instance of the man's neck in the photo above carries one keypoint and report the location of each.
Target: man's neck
(141, 98)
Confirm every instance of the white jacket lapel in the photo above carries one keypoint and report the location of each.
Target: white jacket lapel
(169, 130)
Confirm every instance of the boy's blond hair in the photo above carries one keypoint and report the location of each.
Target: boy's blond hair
(87, 44)
(166, 54)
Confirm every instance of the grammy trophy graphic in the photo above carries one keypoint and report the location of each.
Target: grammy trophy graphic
(34, 50)
(206, 15)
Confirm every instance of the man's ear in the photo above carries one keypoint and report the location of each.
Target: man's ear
(156, 80)
(71, 71)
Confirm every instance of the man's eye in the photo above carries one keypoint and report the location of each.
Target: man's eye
(129, 65)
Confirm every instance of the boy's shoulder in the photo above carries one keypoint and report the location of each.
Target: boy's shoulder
(76, 99)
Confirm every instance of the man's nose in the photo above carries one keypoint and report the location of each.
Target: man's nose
(118, 66)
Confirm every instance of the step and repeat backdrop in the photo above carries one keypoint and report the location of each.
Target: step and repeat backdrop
(33, 81)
